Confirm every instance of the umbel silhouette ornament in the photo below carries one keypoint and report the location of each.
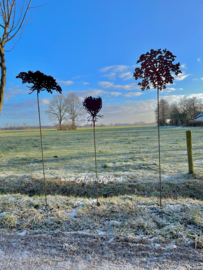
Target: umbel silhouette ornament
(40, 82)
(155, 72)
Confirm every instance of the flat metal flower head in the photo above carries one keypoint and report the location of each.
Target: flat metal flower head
(40, 81)
(156, 68)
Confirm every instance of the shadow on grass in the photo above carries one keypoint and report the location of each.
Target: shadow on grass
(191, 187)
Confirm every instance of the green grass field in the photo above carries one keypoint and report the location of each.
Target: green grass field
(129, 154)
(120, 150)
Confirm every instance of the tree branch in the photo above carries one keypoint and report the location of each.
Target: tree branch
(41, 5)
(20, 24)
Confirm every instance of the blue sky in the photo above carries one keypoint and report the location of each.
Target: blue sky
(91, 48)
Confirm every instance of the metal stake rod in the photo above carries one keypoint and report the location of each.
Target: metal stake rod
(159, 145)
(42, 149)
(95, 159)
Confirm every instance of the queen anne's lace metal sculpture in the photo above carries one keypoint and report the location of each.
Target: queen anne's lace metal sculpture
(155, 72)
(93, 106)
(40, 82)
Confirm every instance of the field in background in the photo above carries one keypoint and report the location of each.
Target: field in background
(120, 150)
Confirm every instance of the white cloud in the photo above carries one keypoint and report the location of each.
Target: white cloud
(12, 93)
(115, 68)
(93, 92)
(195, 79)
(142, 110)
(202, 78)
(65, 82)
(199, 59)
(109, 85)
(133, 94)
(177, 98)
(183, 66)
(110, 76)
(85, 83)
(126, 75)
(181, 76)
(115, 94)
(170, 89)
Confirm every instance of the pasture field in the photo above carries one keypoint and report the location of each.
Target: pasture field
(130, 156)
(127, 150)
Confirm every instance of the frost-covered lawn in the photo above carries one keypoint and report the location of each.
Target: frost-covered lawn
(128, 202)
(119, 150)
(180, 221)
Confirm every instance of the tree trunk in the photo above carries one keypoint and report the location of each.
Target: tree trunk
(73, 123)
(60, 124)
(3, 79)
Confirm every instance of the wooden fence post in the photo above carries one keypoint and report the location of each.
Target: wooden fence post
(189, 151)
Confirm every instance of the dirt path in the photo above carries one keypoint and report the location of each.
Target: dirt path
(57, 250)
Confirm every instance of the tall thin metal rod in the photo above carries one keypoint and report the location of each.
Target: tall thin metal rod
(45, 191)
(95, 158)
(159, 145)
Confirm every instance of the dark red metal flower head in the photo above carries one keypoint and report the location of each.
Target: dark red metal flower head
(156, 68)
(93, 106)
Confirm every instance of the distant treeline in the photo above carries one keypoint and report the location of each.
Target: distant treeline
(69, 126)
(27, 127)
(181, 113)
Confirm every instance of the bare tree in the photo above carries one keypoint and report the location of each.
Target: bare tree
(190, 108)
(11, 26)
(74, 108)
(57, 109)
(194, 107)
(163, 112)
(174, 114)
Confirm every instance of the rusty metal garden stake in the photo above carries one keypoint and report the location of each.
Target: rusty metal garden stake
(155, 71)
(92, 107)
(40, 82)
(45, 190)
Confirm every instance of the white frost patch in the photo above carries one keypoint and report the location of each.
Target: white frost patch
(156, 245)
(101, 233)
(22, 233)
(92, 202)
(111, 240)
(65, 246)
(33, 164)
(170, 246)
(1, 253)
(173, 207)
(114, 223)
(73, 214)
